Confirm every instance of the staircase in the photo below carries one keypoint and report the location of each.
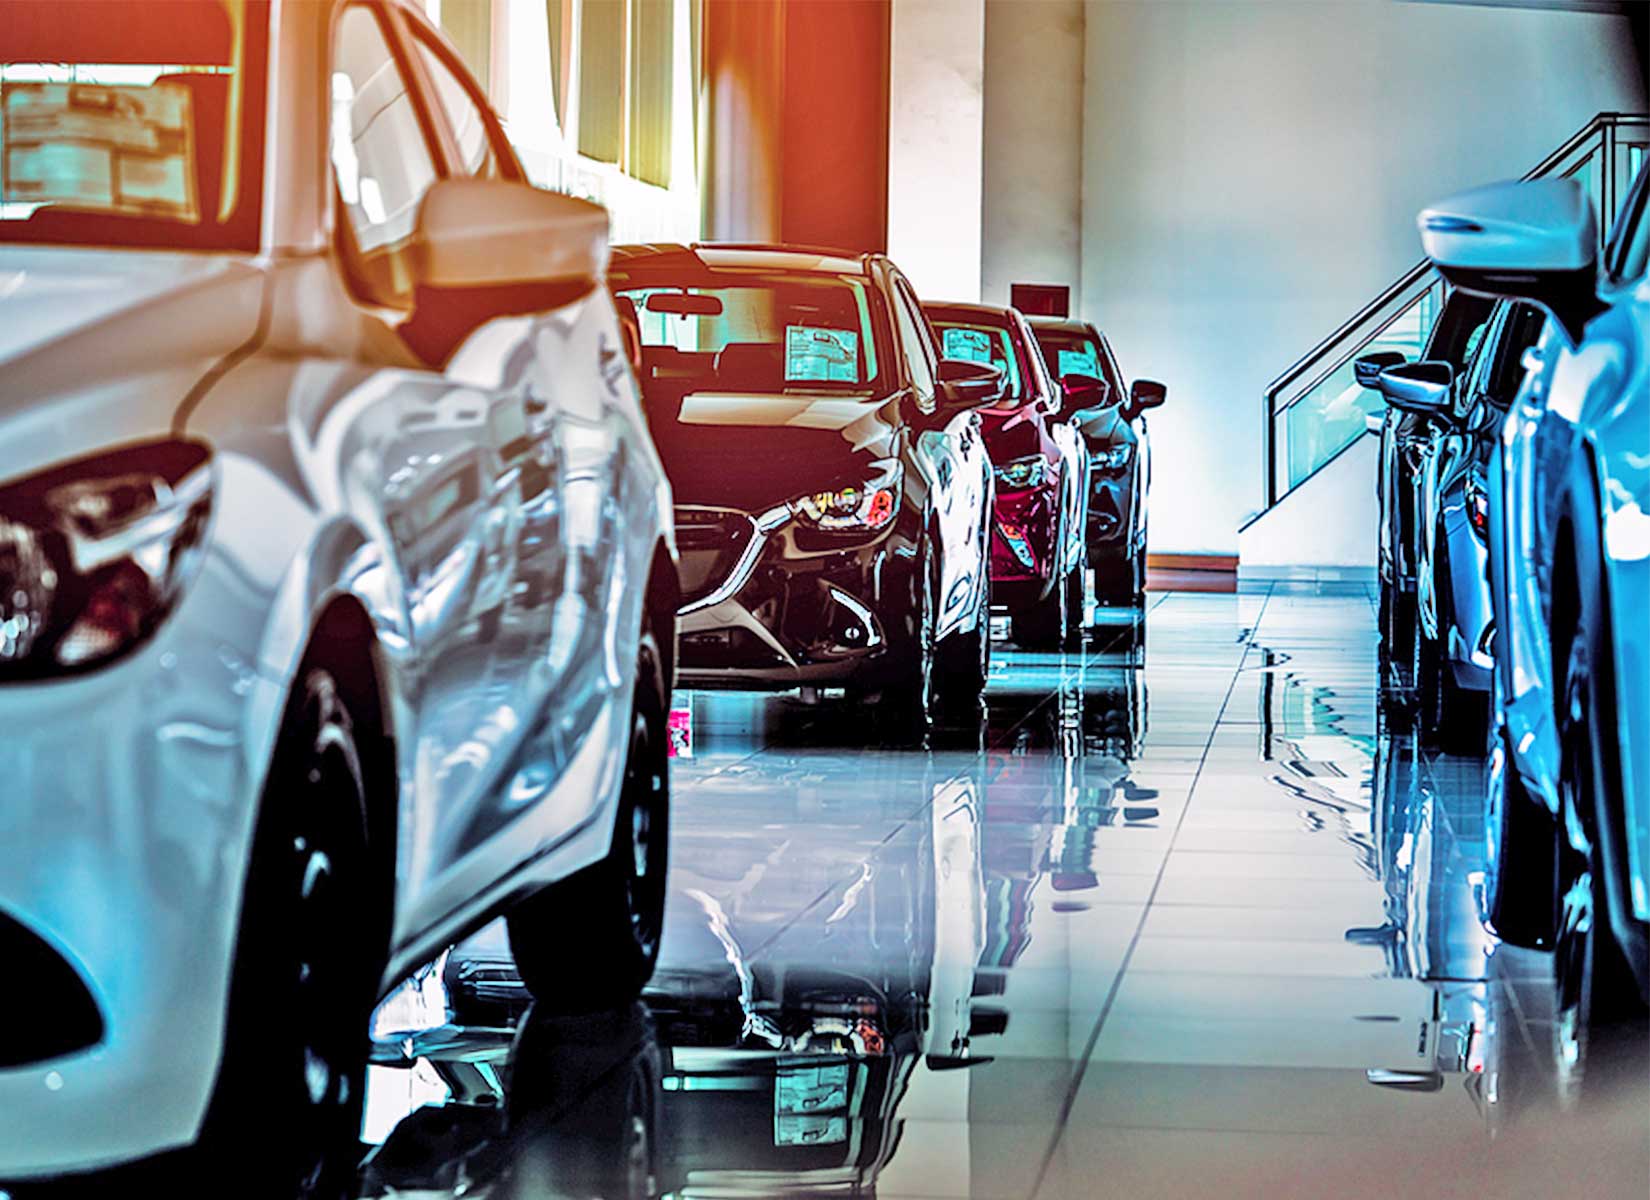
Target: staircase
(1314, 412)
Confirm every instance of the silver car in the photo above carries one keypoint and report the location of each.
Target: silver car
(1570, 569)
(337, 580)
(1454, 625)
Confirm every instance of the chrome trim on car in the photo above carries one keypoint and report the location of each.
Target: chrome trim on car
(765, 524)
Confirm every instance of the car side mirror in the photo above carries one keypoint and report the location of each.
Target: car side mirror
(1144, 394)
(965, 385)
(1535, 241)
(1367, 370)
(1422, 388)
(490, 233)
(1082, 392)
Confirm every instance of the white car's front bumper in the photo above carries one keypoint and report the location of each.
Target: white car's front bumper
(123, 837)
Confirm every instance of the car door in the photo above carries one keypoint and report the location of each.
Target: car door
(1441, 446)
(954, 462)
(461, 461)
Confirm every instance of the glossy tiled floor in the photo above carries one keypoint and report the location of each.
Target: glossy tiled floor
(1176, 920)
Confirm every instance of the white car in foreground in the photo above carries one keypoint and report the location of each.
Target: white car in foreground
(337, 581)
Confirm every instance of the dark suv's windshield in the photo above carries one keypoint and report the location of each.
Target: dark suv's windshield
(132, 122)
(752, 333)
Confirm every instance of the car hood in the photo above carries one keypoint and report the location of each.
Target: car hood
(752, 452)
(100, 346)
(1014, 433)
(1103, 425)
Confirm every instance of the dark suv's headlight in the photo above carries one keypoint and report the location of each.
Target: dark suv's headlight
(96, 552)
(857, 507)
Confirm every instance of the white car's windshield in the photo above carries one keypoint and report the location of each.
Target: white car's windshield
(132, 123)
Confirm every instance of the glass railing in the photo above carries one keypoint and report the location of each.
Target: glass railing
(1316, 410)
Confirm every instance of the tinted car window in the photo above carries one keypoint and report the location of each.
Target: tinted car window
(1068, 353)
(748, 333)
(981, 343)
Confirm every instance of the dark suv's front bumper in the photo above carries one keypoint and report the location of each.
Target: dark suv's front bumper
(767, 604)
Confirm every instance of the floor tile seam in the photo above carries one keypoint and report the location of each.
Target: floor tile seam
(1074, 1085)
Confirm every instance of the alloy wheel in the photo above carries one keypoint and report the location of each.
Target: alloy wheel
(641, 823)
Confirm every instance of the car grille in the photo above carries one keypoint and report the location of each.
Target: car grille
(710, 542)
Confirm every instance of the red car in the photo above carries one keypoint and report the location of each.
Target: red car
(1038, 555)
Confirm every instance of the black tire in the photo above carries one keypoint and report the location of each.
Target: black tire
(1074, 601)
(1041, 625)
(905, 699)
(313, 939)
(1599, 1036)
(590, 941)
(1399, 636)
(1461, 718)
(1519, 855)
(1118, 582)
(962, 664)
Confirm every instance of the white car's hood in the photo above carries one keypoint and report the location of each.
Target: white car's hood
(101, 346)
(49, 291)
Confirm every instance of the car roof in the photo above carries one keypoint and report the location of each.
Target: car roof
(711, 256)
(1061, 324)
(990, 314)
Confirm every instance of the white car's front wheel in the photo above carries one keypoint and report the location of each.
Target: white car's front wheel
(590, 941)
(313, 935)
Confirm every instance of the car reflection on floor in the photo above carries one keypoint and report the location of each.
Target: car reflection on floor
(1185, 921)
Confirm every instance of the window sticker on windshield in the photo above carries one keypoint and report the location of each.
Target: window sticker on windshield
(115, 146)
(970, 345)
(814, 353)
(1079, 362)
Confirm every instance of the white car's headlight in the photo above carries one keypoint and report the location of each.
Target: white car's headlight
(96, 552)
(856, 507)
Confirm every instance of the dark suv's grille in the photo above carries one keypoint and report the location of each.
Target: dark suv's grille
(710, 542)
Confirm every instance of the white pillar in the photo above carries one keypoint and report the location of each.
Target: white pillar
(936, 141)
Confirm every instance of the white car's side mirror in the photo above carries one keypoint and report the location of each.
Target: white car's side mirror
(477, 233)
(1535, 241)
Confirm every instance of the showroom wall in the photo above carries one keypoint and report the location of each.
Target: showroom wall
(936, 78)
(1032, 200)
(1251, 174)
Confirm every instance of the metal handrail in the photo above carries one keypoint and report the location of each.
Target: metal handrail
(1600, 127)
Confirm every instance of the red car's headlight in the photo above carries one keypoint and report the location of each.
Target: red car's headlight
(96, 552)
